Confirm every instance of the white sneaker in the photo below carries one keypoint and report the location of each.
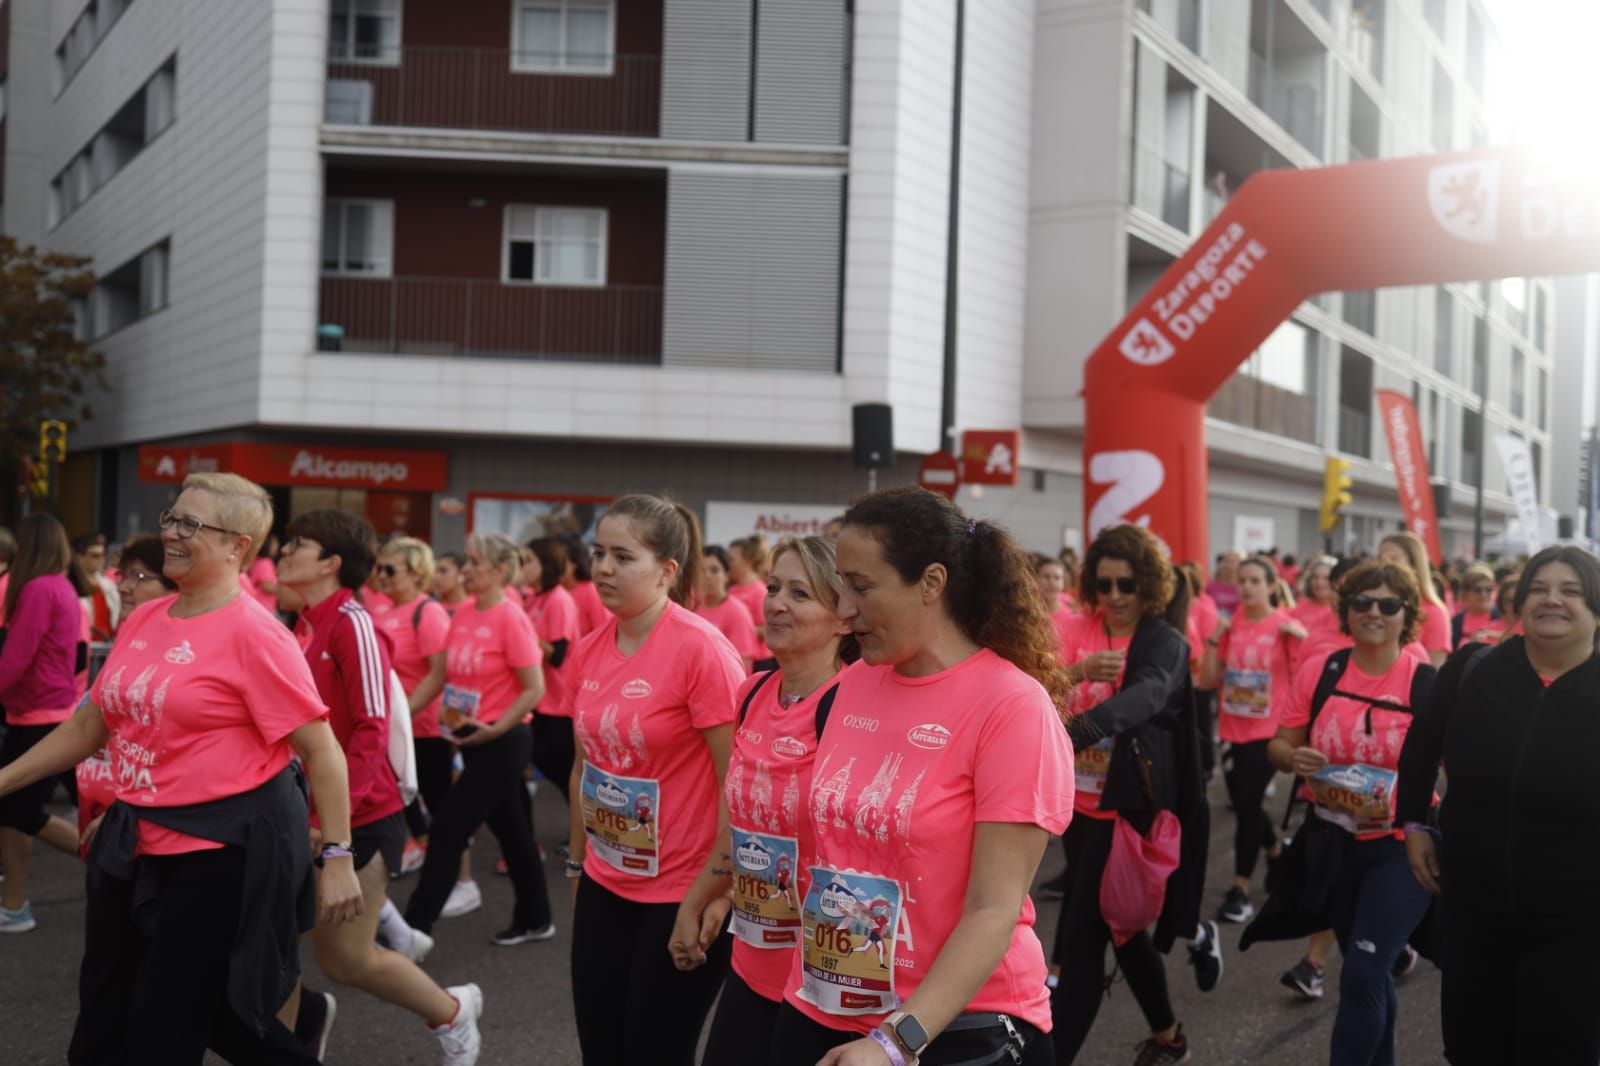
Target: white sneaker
(465, 897)
(459, 1042)
(419, 947)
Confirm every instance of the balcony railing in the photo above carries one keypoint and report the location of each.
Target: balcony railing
(497, 89)
(1162, 188)
(470, 317)
(1248, 401)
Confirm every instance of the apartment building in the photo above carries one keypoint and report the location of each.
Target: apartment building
(468, 264)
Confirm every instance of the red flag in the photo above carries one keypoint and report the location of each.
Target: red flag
(1410, 469)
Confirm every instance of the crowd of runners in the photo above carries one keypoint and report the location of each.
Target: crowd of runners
(810, 784)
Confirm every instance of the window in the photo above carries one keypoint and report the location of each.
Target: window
(1444, 332)
(358, 237)
(90, 27)
(563, 36)
(1361, 310)
(1434, 11)
(1515, 293)
(1543, 398)
(364, 31)
(1480, 357)
(1355, 403)
(1541, 314)
(1444, 109)
(136, 123)
(1519, 377)
(128, 293)
(556, 245)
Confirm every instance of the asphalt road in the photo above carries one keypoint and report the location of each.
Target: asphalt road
(1249, 1018)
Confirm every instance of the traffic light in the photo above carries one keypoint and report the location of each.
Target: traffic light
(52, 441)
(1335, 492)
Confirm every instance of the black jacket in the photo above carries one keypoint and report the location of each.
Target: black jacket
(1520, 822)
(1152, 718)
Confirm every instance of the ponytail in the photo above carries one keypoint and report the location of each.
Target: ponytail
(687, 588)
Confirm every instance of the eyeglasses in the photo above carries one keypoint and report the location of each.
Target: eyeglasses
(388, 569)
(1481, 590)
(188, 525)
(1125, 585)
(1388, 605)
(139, 576)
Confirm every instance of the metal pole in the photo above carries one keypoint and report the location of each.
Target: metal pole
(947, 406)
(1483, 462)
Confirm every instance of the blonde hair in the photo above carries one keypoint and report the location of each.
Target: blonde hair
(817, 556)
(417, 556)
(754, 550)
(498, 550)
(243, 507)
(1417, 559)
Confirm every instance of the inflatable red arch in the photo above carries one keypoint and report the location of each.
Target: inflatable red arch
(1284, 236)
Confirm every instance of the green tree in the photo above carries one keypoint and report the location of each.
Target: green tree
(45, 370)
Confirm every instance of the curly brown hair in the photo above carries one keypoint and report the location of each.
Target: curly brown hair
(1367, 576)
(1139, 548)
(990, 591)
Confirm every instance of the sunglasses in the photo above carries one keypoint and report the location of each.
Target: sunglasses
(1481, 590)
(388, 569)
(1388, 605)
(1125, 585)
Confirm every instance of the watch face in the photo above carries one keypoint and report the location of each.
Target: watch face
(911, 1034)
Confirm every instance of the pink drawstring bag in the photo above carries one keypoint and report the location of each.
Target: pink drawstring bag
(1134, 884)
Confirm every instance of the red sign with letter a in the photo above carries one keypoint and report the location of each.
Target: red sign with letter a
(990, 456)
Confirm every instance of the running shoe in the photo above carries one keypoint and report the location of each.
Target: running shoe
(465, 897)
(19, 920)
(1236, 906)
(1158, 1052)
(413, 857)
(1405, 963)
(1304, 978)
(315, 1020)
(1206, 957)
(419, 947)
(459, 1040)
(518, 935)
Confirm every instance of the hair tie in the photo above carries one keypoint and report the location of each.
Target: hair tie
(972, 525)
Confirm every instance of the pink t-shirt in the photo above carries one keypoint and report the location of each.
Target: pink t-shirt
(906, 770)
(768, 793)
(1481, 628)
(484, 650)
(1435, 631)
(649, 787)
(411, 646)
(592, 614)
(1356, 789)
(554, 615)
(1321, 623)
(264, 572)
(1083, 635)
(200, 708)
(97, 791)
(754, 598)
(1256, 674)
(732, 620)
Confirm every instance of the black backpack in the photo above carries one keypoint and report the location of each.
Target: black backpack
(824, 705)
(1328, 685)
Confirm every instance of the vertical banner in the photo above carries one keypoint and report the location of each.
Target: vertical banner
(1524, 490)
(1410, 469)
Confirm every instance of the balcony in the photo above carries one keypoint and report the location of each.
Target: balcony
(485, 318)
(1248, 401)
(492, 89)
(1161, 188)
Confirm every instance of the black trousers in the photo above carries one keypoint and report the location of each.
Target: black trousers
(488, 792)
(742, 1028)
(161, 1000)
(633, 1006)
(800, 1041)
(1081, 939)
(1248, 772)
(1519, 992)
(23, 810)
(554, 750)
(434, 756)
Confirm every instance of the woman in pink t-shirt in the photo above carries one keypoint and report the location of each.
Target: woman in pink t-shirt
(492, 684)
(1405, 548)
(1480, 620)
(749, 562)
(1250, 656)
(717, 606)
(1348, 749)
(554, 614)
(447, 587)
(38, 686)
(942, 774)
(652, 700)
(204, 700)
(592, 614)
(1317, 610)
(1130, 663)
(767, 863)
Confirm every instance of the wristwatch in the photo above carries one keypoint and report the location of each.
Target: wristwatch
(912, 1036)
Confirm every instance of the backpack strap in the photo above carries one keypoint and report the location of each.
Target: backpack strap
(825, 707)
(1327, 683)
(1456, 625)
(749, 697)
(1470, 665)
(416, 615)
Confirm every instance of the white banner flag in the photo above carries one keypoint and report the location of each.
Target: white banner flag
(1518, 463)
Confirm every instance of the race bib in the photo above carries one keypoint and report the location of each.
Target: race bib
(620, 816)
(1247, 693)
(1355, 798)
(766, 901)
(847, 959)
(1090, 766)
(457, 708)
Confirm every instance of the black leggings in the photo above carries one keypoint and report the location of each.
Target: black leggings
(23, 810)
(163, 1000)
(742, 1028)
(799, 1041)
(554, 750)
(1248, 772)
(633, 1006)
(434, 758)
(1081, 939)
(486, 793)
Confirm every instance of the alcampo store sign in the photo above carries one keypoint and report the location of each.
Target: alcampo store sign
(299, 464)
